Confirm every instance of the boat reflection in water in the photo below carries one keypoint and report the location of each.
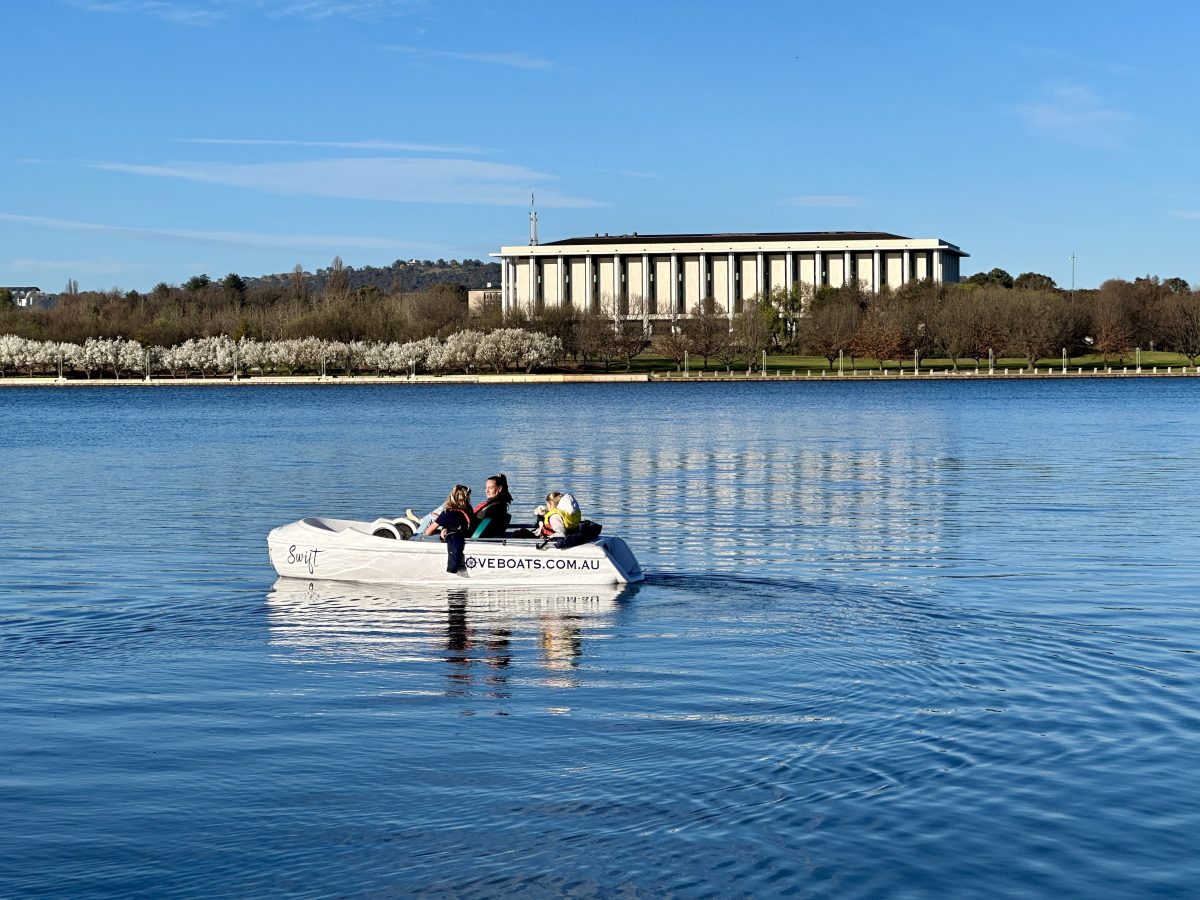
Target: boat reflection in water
(486, 635)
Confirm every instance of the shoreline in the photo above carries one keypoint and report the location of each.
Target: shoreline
(810, 376)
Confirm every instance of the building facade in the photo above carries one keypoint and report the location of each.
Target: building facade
(478, 298)
(663, 276)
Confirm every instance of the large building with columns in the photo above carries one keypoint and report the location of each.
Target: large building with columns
(659, 277)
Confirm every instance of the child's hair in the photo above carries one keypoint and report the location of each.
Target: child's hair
(552, 499)
(460, 497)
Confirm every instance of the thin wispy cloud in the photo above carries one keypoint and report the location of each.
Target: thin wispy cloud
(828, 201)
(1059, 57)
(512, 60)
(175, 12)
(1190, 214)
(369, 145)
(238, 238)
(634, 173)
(210, 12)
(392, 179)
(1076, 115)
(76, 266)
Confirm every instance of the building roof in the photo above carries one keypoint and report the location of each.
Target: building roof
(728, 237)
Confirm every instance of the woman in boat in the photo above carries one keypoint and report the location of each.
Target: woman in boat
(494, 508)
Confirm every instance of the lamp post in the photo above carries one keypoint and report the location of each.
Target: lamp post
(991, 362)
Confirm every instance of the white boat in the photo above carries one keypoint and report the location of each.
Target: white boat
(369, 553)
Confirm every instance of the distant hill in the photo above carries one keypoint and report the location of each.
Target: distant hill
(402, 276)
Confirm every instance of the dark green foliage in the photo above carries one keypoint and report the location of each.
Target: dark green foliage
(995, 277)
(399, 278)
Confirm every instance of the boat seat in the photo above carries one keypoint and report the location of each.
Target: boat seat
(492, 527)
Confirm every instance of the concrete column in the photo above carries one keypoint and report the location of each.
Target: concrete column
(847, 260)
(532, 282)
(935, 265)
(503, 287)
(818, 268)
(562, 281)
(588, 288)
(791, 271)
(906, 266)
(730, 299)
(646, 288)
(760, 278)
(616, 299)
(704, 291)
(875, 273)
(674, 285)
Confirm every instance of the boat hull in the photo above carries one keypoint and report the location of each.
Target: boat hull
(346, 550)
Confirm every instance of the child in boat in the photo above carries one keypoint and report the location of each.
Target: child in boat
(455, 522)
(560, 516)
(453, 515)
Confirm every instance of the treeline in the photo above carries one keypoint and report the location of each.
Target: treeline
(989, 314)
(401, 277)
(956, 322)
(419, 299)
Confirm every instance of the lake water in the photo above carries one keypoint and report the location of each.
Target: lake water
(896, 640)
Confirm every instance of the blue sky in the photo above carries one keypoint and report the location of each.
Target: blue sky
(152, 140)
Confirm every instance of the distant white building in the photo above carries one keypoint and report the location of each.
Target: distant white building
(663, 276)
(26, 297)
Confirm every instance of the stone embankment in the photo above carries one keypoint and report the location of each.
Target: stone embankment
(1056, 373)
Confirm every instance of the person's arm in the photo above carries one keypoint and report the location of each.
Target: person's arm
(432, 529)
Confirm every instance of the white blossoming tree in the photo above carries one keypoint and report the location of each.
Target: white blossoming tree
(459, 350)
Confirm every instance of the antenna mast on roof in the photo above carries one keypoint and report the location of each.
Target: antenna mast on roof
(533, 238)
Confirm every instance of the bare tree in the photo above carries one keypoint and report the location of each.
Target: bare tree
(880, 335)
(831, 325)
(596, 334)
(337, 283)
(754, 327)
(707, 330)
(1036, 325)
(1111, 324)
(1181, 324)
(299, 283)
(629, 333)
(674, 345)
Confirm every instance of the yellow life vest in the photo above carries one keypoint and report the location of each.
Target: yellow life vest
(571, 520)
